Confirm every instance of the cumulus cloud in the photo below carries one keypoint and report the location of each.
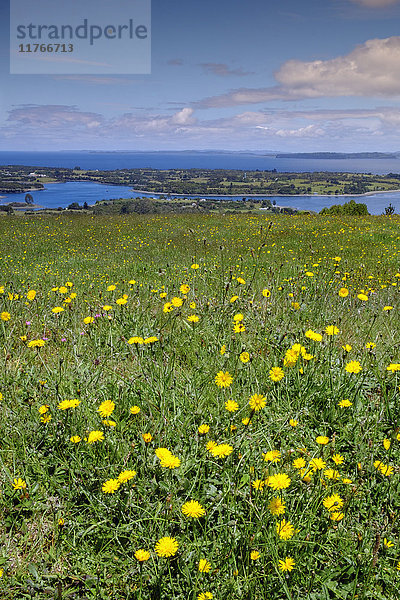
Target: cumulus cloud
(66, 126)
(371, 69)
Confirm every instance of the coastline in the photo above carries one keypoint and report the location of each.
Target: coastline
(250, 196)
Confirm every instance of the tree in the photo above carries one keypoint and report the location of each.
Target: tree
(29, 199)
(389, 210)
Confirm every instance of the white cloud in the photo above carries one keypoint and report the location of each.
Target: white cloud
(183, 117)
(66, 126)
(371, 69)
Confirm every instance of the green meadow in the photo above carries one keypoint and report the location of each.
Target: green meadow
(199, 407)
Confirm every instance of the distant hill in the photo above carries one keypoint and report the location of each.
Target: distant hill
(337, 155)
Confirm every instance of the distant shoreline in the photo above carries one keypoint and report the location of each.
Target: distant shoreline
(250, 196)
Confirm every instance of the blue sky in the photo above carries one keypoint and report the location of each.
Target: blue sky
(264, 75)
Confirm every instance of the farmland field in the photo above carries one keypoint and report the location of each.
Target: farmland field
(200, 406)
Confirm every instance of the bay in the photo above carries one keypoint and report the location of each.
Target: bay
(196, 160)
(63, 194)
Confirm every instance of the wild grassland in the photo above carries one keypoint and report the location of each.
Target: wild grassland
(264, 355)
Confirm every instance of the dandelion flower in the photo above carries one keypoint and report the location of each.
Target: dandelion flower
(287, 564)
(231, 406)
(276, 374)
(204, 566)
(136, 340)
(279, 481)
(333, 502)
(312, 335)
(147, 437)
(111, 486)
(170, 462)
(106, 408)
(293, 422)
(142, 555)
(95, 436)
(284, 529)
(176, 302)
(384, 469)
(193, 509)
(299, 463)
(257, 402)
(193, 319)
(336, 515)
(345, 403)
(258, 484)
(5, 316)
(338, 459)
(331, 330)
(166, 547)
(221, 450)
(317, 464)
(75, 439)
(223, 380)
(276, 507)
(244, 357)
(205, 596)
(204, 428)
(254, 555)
(134, 410)
(353, 367)
(332, 474)
(322, 440)
(362, 297)
(343, 292)
(272, 456)
(19, 484)
(65, 404)
(125, 476)
(36, 344)
(57, 309)
(210, 445)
